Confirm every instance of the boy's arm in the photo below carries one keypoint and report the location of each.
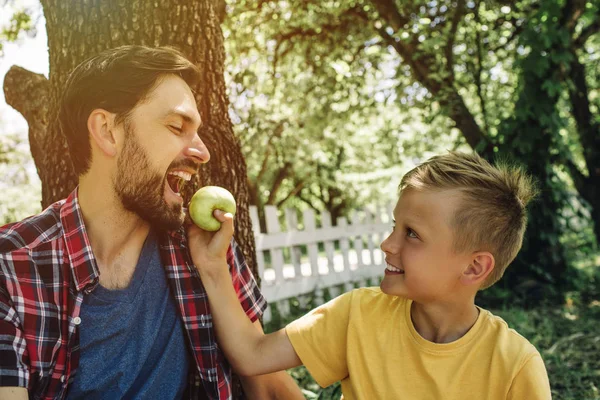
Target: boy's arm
(275, 386)
(249, 351)
(531, 382)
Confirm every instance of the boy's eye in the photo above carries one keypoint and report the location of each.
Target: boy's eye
(411, 234)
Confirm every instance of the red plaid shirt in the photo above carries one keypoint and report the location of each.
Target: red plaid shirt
(47, 266)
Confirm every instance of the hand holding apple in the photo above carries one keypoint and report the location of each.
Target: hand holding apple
(205, 201)
(211, 209)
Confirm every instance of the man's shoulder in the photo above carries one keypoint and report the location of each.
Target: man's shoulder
(31, 231)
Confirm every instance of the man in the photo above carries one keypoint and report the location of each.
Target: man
(99, 296)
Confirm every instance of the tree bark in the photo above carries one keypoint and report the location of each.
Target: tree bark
(28, 93)
(424, 67)
(589, 133)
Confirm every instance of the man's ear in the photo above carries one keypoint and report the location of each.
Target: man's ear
(101, 125)
(481, 266)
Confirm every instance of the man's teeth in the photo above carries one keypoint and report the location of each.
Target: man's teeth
(183, 175)
(393, 269)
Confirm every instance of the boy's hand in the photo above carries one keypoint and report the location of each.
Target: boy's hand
(257, 354)
(209, 249)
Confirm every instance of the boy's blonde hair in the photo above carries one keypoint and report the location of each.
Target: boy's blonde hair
(491, 215)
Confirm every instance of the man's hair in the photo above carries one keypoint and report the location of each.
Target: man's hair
(491, 215)
(115, 80)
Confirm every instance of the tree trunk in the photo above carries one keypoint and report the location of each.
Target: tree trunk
(589, 133)
(77, 31)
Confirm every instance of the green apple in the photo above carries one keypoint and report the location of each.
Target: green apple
(205, 201)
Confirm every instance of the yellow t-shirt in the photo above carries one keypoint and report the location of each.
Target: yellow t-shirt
(366, 339)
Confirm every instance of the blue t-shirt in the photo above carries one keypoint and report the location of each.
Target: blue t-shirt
(132, 340)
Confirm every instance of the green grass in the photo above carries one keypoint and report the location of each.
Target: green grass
(567, 336)
(569, 340)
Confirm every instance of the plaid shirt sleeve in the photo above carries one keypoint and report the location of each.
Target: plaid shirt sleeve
(13, 369)
(244, 283)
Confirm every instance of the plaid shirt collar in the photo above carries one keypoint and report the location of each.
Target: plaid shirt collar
(84, 268)
(83, 264)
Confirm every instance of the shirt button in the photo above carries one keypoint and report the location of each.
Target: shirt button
(76, 320)
(62, 378)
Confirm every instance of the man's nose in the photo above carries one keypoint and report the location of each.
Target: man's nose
(197, 150)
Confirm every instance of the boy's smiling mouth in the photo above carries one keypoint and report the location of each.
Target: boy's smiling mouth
(390, 269)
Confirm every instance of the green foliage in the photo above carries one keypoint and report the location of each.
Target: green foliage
(548, 251)
(311, 389)
(335, 91)
(320, 112)
(21, 22)
(568, 341)
(20, 187)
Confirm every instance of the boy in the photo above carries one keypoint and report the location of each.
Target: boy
(458, 223)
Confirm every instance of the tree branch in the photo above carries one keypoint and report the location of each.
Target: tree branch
(388, 10)
(479, 72)
(579, 179)
(342, 22)
(263, 168)
(449, 51)
(585, 34)
(588, 128)
(572, 10)
(283, 173)
(292, 193)
(308, 202)
(420, 69)
(28, 93)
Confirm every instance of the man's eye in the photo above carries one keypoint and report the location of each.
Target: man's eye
(411, 234)
(177, 129)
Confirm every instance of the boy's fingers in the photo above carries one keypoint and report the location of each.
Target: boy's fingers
(226, 231)
(221, 215)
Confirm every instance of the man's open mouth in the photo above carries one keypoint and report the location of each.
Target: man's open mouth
(177, 180)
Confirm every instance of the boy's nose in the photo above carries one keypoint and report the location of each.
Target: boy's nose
(389, 245)
(197, 150)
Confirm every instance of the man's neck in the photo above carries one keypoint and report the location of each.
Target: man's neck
(443, 323)
(115, 234)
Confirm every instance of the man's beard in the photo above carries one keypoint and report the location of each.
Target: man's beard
(141, 189)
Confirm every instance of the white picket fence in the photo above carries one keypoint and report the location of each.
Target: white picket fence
(350, 255)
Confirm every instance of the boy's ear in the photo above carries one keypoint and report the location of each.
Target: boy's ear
(481, 265)
(100, 124)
